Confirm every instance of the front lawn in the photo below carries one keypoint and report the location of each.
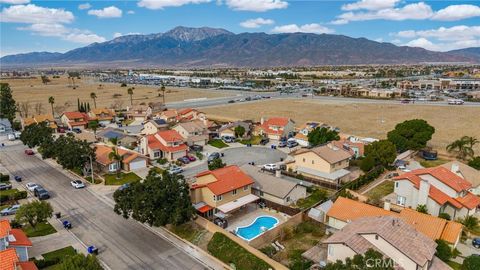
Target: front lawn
(454, 265)
(255, 140)
(431, 163)
(111, 179)
(8, 192)
(229, 252)
(315, 196)
(189, 231)
(41, 229)
(218, 143)
(97, 181)
(381, 190)
(53, 259)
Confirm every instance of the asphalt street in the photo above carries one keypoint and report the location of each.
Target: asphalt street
(123, 244)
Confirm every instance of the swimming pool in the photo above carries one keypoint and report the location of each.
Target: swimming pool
(257, 227)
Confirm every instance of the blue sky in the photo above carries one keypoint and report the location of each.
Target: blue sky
(28, 25)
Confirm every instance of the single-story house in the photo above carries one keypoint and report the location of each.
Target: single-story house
(5, 126)
(229, 129)
(124, 139)
(39, 119)
(302, 132)
(131, 160)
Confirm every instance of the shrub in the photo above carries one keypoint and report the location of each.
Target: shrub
(268, 250)
(46, 263)
(20, 195)
(4, 177)
(287, 233)
(162, 161)
(444, 252)
(123, 85)
(445, 216)
(15, 224)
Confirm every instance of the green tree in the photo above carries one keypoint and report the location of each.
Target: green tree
(51, 100)
(72, 153)
(239, 131)
(470, 222)
(130, 93)
(163, 92)
(371, 260)
(93, 125)
(93, 96)
(422, 208)
(8, 106)
(382, 152)
(463, 147)
(79, 262)
(472, 262)
(411, 135)
(216, 163)
(114, 155)
(78, 104)
(367, 164)
(33, 213)
(322, 135)
(444, 252)
(475, 163)
(45, 79)
(158, 200)
(35, 134)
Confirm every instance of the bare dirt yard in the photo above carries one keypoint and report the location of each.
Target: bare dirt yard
(361, 119)
(35, 92)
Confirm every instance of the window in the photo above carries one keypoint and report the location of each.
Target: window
(313, 162)
(303, 160)
(112, 167)
(330, 250)
(217, 198)
(261, 193)
(245, 188)
(401, 200)
(288, 199)
(234, 192)
(396, 184)
(156, 154)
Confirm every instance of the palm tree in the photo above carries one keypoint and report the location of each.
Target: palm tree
(163, 93)
(51, 100)
(130, 92)
(463, 147)
(114, 155)
(94, 97)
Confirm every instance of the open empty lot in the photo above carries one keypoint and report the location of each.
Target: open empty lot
(371, 120)
(34, 91)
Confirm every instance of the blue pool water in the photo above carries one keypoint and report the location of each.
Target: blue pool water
(259, 226)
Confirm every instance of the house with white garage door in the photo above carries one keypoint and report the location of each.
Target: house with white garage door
(131, 160)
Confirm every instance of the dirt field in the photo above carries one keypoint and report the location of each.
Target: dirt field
(372, 120)
(34, 92)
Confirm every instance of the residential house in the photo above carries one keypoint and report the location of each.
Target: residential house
(74, 120)
(190, 114)
(356, 148)
(229, 129)
(222, 191)
(138, 113)
(104, 116)
(131, 160)
(439, 189)
(193, 132)
(169, 116)
(466, 172)
(123, 139)
(153, 126)
(391, 236)
(5, 126)
(302, 132)
(275, 127)
(344, 211)
(274, 188)
(40, 118)
(14, 245)
(326, 162)
(166, 144)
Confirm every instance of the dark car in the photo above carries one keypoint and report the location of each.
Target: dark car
(5, 186)
(17, 178)
(29, 152)
(282, 144)
(291, 144)
(77, 130)
(476, 242)
(184, 160)
(231, 101)
(228, 139)
(264, 141)
(124, 186)
(41, 193)
(213, 156)
(196, 148)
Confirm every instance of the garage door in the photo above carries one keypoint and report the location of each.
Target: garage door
(138, 164)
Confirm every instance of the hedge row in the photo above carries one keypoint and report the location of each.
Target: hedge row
(364, 179)
(4, 177)
(13, 197)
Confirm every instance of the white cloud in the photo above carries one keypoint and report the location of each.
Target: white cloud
(34, 14)
(161, 4)
(118, 34)
(370, 4)
(256, 23)
(130, 12)
(339, 22)
(60, 31)
(108, 12)
(84, 6)
(416, 11)
(306, 28)
(423, 43)
(256, 5)
(14, 2)
(457, 12)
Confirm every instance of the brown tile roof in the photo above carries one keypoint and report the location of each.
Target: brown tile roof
(349, 210)
(228, 178)
(468, 173)
(102, 152)
(74, 115)
(394, 230)
(21, 238)
(443, 175)
(329, 153)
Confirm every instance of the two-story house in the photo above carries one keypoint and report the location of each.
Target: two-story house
(40, 118)
(194, 132)
(166, 144)
(14, 245)
(74, 120)
(153, 126)
(222, 191)
(104, 116)
(439, 189)
(229, 129)
(139, 113)
(275, 127)
(325, 162)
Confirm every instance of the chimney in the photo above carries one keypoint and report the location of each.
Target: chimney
(278, 173)
(262, 120)
(423, 191)
(455, 168)
(386, 205)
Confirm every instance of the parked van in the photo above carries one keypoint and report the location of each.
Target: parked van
(11, 137)
(455, 102)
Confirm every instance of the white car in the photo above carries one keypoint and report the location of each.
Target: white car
(270, 167)
(77, 184)
(31, 186)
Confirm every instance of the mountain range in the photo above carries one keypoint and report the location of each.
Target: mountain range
(207, 47)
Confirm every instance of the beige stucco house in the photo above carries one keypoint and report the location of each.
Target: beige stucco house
(275, 127)
(166, 144)
(154, 126)
(74, 120)
(193, 132)
(466, 172)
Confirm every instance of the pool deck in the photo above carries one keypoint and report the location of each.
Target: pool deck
(246, 216)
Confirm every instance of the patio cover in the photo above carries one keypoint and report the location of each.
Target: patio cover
(202, 207)
(230, 206)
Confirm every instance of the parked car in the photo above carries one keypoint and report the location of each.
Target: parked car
(270, 167)
(29, 152)
(17, 178)
(196, 148)
(231, 101)
(228, 139)
(175, 170)
(11, 137)
(213, 156)
(61, 130)
(10, 210)
(5, 186)
(191, 158)
(17, 134)
(77, 130)
(124, 186)
(264, 141)
(77, 184)
(282, 144)
(476, 242)
(184, 160)
(291, 143)
(41, 193)
(31, 186)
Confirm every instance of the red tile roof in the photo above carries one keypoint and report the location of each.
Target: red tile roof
(21, 238)
(154, 143)
(443, 175)
(8, 259)
(277, 121)
(205, 208)
(27, 265)
(228, 178)
(74, 115)
(103, 151)
(470, 200)
(170, 135)
(442, 198)
(4, 228)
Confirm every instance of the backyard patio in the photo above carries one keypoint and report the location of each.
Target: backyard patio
(247, 216)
